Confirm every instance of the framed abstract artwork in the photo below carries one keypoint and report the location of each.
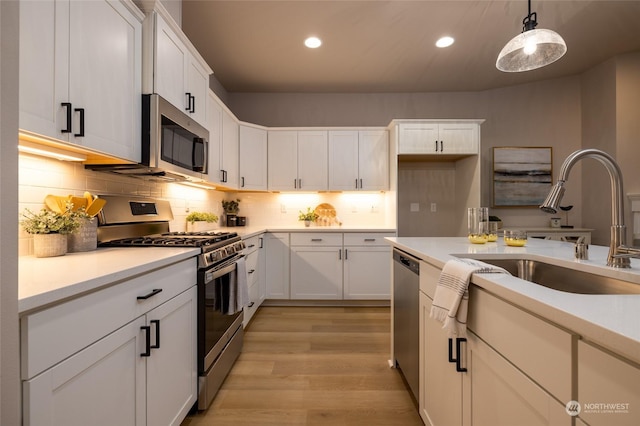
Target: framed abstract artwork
(522, 177)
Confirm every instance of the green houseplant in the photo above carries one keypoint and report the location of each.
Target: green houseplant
(231, 207)
(308, 216)
(199, 221)
(50, 229)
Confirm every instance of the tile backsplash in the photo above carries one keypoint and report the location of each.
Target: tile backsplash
(40, 176)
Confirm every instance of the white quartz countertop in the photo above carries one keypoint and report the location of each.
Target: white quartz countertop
(45, 281)
(611, 321)
(250, 231)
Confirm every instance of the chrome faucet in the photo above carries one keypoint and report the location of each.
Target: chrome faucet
(619, 252)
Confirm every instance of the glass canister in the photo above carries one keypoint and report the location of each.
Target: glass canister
(478, 221)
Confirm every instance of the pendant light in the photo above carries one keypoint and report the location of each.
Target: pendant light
(532, 48)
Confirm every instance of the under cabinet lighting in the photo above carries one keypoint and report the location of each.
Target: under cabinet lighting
(196, 185)
(50, 152)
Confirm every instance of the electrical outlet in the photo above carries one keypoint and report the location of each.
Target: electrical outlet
(283, 208)
(414, 207)
(433, 207)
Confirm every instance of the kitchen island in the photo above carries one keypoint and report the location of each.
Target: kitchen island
(548, 347)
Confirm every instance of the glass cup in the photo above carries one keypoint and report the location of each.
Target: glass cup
(492, 234)
(478, 221)
(515, 237)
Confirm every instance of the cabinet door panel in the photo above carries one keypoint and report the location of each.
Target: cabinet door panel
(114, 371)
(44, 66)
(316, 273)
(313, 160)
(105, 77)
(282, 157)
(214, 125)
(277, 265)
(373, 160)
(229, 158)
(253, 158)
(418, 138)
(169, 69)
(602, 378)
(367, 273)
(459, 138)
(499, 394)
(198, 87)
(171, 368)
(343, 160)
(440, 392)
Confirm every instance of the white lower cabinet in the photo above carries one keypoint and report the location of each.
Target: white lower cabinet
(101, 385)
(277, 265)
(316, 272)
(512, 369)
(608, 390)
(141, 372)
(367, 268)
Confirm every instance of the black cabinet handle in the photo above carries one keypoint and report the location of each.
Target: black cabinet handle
(67, 105)
(81, 133)
(188, 108)
(251, 245)
(451, 358)
(261, 242)
(250, 305)
(459, 367)
(315, 240)
(193, 104)
(441, 147)
(150, 294)
(224, 176)
(251, 271)
(242, 184)
(346, 254)
(339, 254)
(356, 183)
(436, 146)
(147, 345)
(157, 324)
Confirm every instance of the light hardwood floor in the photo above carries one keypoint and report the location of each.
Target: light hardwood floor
(313, 366)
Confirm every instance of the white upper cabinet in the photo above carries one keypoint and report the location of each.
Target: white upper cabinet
(437, 138)
(214, 125)
(80, 73)
(253, 158)
(173, 67)
(228, 175)
(298, 160)
(358, 160)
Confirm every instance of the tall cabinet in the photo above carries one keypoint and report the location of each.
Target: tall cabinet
(444, 156)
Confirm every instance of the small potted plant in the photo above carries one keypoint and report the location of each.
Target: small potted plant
(50, 229)
(197, 219)
(231, 209)
(308, 216)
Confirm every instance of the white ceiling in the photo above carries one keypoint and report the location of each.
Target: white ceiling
(388, 46)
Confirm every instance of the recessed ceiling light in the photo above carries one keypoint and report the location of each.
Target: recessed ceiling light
(313, 42)
(445, 41)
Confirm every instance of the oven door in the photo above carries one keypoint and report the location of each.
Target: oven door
(216, 326)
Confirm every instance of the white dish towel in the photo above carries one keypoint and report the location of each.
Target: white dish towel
(239, 294)
(451, 299)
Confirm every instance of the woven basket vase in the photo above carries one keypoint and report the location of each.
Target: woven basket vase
(49, 245)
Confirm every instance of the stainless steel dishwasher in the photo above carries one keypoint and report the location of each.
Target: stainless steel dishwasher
(406, 317)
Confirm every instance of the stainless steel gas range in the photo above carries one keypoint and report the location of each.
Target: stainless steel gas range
(142, 222)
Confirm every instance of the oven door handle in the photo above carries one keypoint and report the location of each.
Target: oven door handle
(225, 269)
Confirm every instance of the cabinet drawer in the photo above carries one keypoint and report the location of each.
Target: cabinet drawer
(253, 243)
(366, 238)
(316, 239)
(539, 349)
(51, 335)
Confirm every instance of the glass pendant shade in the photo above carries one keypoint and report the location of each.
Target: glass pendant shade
(530, 50)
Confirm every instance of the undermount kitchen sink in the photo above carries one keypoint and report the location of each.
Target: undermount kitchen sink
(564, 279)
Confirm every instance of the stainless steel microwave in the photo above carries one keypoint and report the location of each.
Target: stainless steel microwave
(172, 141)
